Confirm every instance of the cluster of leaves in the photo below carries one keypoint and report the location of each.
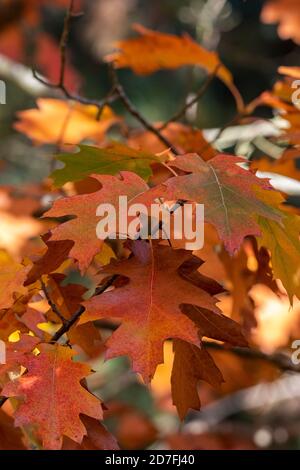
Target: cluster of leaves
(149, 291)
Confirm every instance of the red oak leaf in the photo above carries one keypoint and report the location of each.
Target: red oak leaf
(228, 193)
(53, 396)
(82, 229)
(148, 306)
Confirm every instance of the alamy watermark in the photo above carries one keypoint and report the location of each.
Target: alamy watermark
(138, 221)
(2, 92)
(2, 352)
(295, 358)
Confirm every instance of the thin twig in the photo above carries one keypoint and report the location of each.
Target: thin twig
(201, 92)
(52, 304)
(280, 360)
(117, 91)
(69, 323)
(73, 96)
(136, 113)
(61, 83)
(64, 42)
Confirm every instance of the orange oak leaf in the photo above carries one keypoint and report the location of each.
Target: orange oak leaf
(228, 193)
(152, 51)
(9, 323)
(148, 306)
(53, 397)
(280, 166)
(11, 319)
(82, 229)
(32, 319)
(185, 138)
(16, 352)
(12, 277)
(15, 231)
(70, 122)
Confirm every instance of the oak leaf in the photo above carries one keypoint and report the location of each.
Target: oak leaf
(186, 139)
(51, 259)
(280, 166)
(284, 244)
(82, 229)
(67, 299)
(148, 306)
(152, 51)
(53, 397)
(190, 365)
(16, 353)
(70, 122)
(109, 161)
(227, 191)
(12, 277)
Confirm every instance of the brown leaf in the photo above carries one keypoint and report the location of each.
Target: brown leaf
(190, 365)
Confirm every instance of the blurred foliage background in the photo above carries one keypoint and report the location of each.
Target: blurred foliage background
(250, 49)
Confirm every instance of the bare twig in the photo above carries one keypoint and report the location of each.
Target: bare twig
(52, 304)
(69, 323)
(201, 92)
(136, 113)
(61, 83)
(280, 360)
(73, 96)
(64, 41)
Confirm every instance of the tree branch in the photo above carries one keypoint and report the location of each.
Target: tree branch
(67, 325)
(64, 42)
(51, 304)
(280, 360)
(201, 92)
(61, 83)
(136, 114)
(70, 322)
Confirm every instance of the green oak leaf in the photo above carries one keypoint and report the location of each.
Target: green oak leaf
(107, 161)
